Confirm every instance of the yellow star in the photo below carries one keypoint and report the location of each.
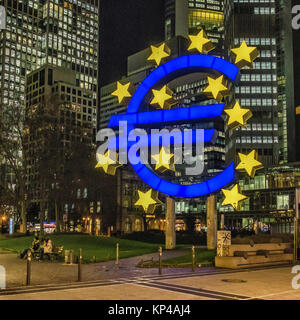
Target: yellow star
(201, 43)
(249, 163)
(163, 98)
(245, 55)
(107, 162)
(123, 91)
(238, 116)
(148, 200)
(164, 161)
(159, 53)
(217, 88)
(233, 197)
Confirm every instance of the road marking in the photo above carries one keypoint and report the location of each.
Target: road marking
(220, 293)
(272, 294)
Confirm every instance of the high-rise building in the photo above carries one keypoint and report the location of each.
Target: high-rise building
(296, 78)
(74, 118)
(42, 38)
(61, 33)
(268, 88)
(184, 17)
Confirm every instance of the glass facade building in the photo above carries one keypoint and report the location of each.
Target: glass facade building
(74, 119)
(267, 89)
(42, 38)
(61, 33)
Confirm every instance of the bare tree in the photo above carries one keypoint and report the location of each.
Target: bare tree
(47, 153)
(12, 145)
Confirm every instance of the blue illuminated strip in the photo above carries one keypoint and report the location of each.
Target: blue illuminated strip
(158, 139)
(165, 116)
(185, 191)
(169, 71)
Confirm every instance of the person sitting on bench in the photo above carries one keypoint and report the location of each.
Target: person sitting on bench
(35, 247)
(36, 244)
(47, 248)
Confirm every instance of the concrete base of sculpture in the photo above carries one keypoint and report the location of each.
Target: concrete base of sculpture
(244, 256)
(170, 224)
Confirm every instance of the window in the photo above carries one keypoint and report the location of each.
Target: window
(50, 77)
(42, 77)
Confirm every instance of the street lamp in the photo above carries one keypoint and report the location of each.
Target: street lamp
(2, 223)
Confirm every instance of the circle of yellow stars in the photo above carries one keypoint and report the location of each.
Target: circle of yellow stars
(217, 89)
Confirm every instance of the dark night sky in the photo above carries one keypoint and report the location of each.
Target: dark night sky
(127, 26)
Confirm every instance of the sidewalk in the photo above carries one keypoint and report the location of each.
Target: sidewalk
(44, 272)
(268, 284)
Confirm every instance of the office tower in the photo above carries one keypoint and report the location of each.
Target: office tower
(184, 17)
(61, 33)
(68, 109)
(268, 88)
(296, 78)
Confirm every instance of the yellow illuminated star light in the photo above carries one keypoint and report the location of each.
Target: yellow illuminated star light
(201, 43)
(164, 161)
(159, 53)
(249, 163)
(108, 162)
(245, 55)
(233, 197)
(163, 98)
(238, 116)
(123, 91)
(148, 200)
(217, 88)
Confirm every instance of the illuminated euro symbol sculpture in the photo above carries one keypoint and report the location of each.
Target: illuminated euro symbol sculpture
(135, 118)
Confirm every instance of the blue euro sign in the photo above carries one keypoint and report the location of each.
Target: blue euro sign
(165, 73)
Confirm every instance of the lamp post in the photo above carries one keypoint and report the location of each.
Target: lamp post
(2, 223)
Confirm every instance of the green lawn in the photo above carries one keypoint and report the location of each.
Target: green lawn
(102, 248)
(202, 256)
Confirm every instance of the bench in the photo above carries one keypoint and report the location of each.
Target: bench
(56, 252)
(54, 255)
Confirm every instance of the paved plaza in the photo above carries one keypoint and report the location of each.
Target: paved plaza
(44, 272)
(266, 284)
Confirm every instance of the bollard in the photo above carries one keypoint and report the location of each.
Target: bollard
(71, 257)
(160, 260)
(79, 265)
(67, 256)
(28, 277)
(193, 258)
(117, 254)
